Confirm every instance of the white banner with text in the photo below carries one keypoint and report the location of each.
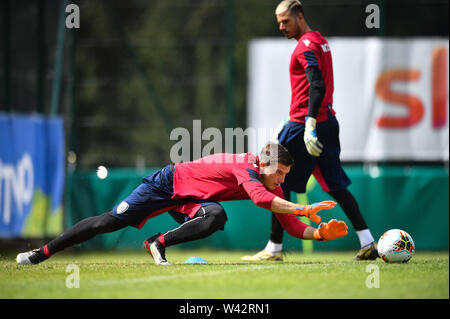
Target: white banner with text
(390, 96)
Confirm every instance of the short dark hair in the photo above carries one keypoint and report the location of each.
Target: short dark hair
(296, 8)
(274, 152)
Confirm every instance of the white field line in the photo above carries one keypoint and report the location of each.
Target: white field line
(178, 276)
(195, 274)
(52, 282)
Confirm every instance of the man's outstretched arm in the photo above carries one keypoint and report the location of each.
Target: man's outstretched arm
(268, 200)
(283, 206)
(326, 231)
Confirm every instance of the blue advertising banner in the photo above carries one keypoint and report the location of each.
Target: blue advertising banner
(31, 175)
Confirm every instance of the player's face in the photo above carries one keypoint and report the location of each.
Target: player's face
(289, 25)
(273, 180)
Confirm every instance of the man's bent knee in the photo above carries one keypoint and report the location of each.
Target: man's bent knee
(217, 214)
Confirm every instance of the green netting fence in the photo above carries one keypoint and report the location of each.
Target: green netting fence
(411, 198)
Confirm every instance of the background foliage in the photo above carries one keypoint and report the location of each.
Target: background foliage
(136, 69)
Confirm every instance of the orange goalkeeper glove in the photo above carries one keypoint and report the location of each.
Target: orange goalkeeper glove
(331, 230)
(310, 211)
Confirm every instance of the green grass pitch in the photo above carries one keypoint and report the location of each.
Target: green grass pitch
(225, 276)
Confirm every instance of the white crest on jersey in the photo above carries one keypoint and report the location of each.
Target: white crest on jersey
(122, 207)
(306, 42)
(325, 47)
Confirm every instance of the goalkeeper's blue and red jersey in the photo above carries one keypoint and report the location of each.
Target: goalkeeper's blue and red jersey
(186, 187)
(312, 50)
(223, 177)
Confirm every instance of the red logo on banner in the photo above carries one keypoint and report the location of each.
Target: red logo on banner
(439, 94)
(439, 87)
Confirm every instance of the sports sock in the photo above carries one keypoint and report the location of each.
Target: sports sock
(350, 207)
(82, 231)
(365, 237)
(273, 248)
(44, 251)
(276, 231)
(161, 240)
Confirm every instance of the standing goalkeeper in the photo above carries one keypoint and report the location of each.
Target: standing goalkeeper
(312, 133)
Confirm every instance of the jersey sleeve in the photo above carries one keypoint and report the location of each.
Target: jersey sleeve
(292, 224)
(308, 54)
(251, 182)
(308, 57)
(317, 90)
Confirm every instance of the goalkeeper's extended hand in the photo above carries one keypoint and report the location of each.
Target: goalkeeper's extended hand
(331, 230)
(310, 211)
(313, 146)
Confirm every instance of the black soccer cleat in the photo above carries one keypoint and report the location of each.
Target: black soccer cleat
(156, 250)
(31, 257)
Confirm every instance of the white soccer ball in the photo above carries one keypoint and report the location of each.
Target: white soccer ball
(396, 246)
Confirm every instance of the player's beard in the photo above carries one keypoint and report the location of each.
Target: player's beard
(293, 33)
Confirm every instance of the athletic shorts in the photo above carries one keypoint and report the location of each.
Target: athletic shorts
(327, 168)
(154, 197)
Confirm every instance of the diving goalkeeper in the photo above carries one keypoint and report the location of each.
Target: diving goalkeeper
(193, 191)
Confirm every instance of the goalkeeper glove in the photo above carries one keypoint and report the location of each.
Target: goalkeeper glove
(331, 230)
(310, 211)
(313, 146)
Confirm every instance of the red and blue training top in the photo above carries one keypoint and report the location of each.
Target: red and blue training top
(226, 177)
(312, 50)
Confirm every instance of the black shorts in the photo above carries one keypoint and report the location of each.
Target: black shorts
(327, 168)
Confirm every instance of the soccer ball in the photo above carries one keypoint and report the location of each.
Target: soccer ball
(396, 246)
